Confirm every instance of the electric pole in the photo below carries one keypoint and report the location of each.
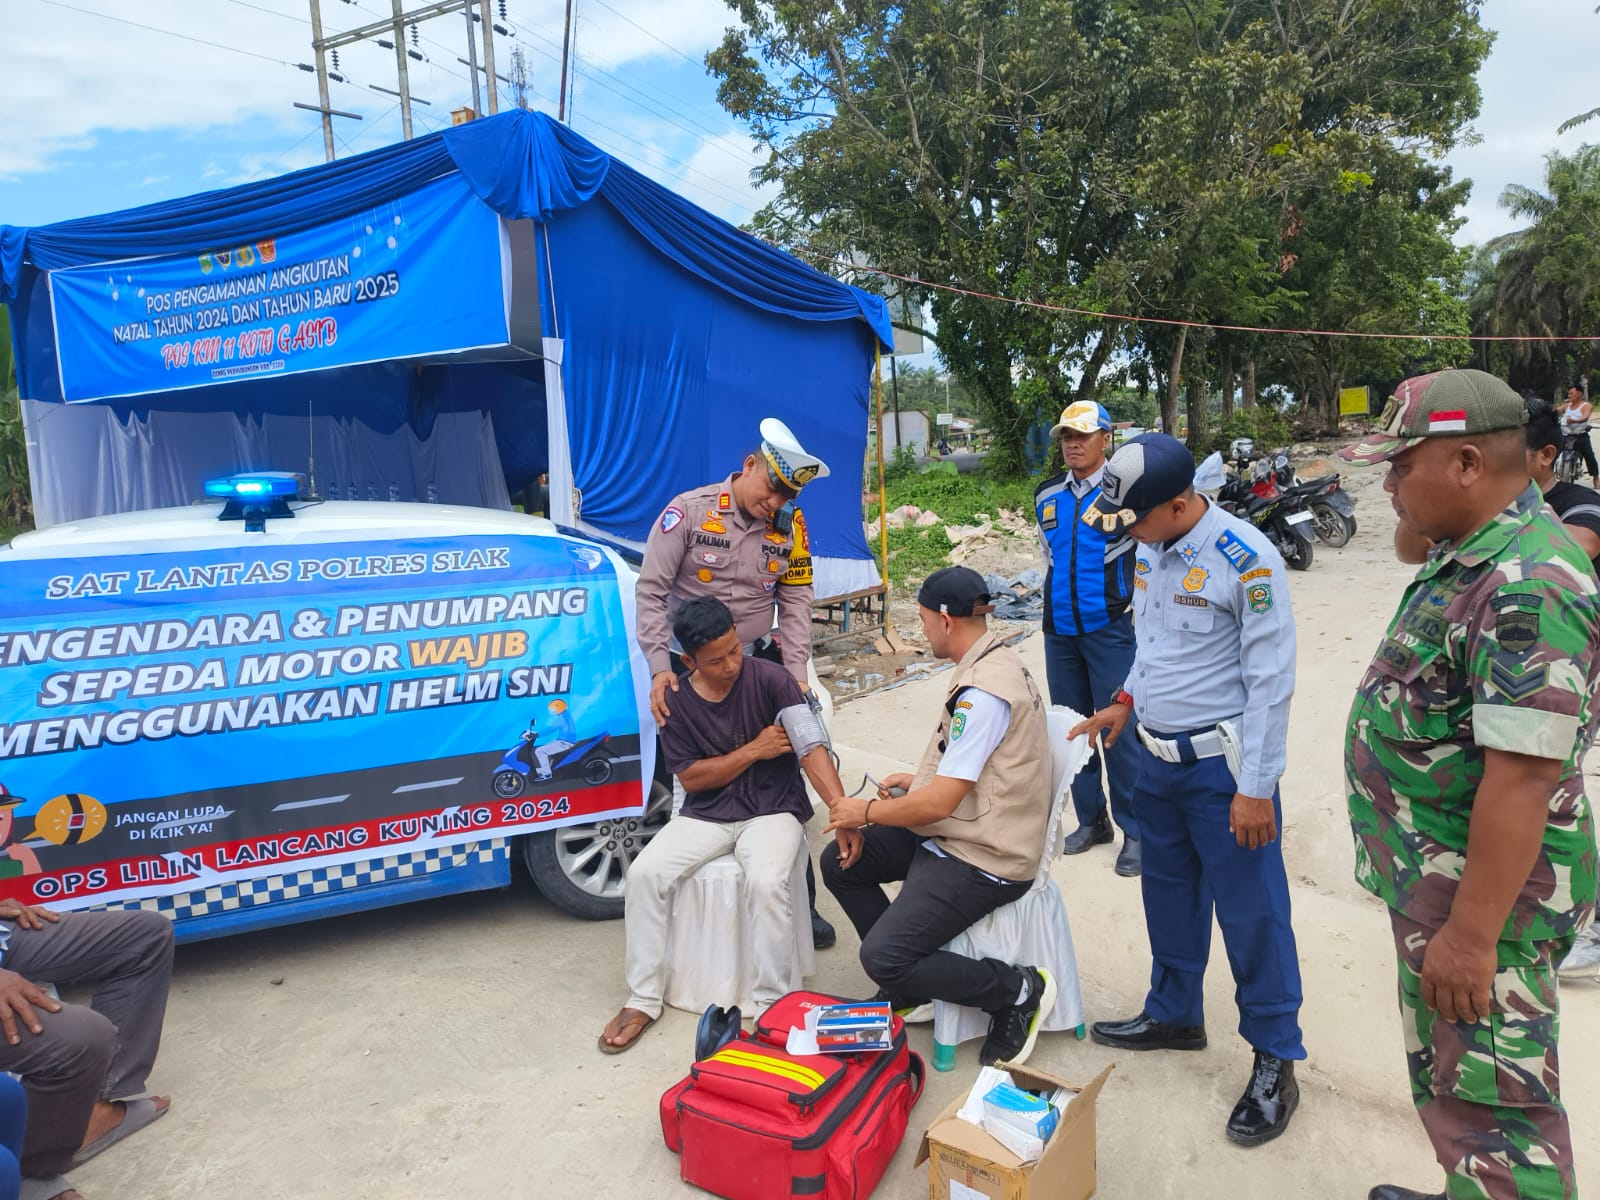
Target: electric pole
(396, 24)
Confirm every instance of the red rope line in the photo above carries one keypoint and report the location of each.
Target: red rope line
(1089, 312)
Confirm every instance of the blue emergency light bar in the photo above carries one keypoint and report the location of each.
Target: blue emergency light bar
(256, 485)
(254, 496)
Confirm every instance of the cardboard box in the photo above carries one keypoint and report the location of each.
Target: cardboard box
(965, 1163)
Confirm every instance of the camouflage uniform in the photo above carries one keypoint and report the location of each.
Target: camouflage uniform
(1495, 646)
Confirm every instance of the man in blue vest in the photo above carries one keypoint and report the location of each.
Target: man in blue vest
(1088, 626)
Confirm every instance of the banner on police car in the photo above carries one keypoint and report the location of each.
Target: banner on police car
(175, 719)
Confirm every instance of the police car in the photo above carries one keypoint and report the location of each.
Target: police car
(262, 709)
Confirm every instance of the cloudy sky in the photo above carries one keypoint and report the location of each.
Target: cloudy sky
(111, 103)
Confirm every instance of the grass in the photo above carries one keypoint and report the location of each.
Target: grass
(915, 552)
(955, 497)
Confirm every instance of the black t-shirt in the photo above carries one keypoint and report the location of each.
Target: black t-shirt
(699, 728)
(1576, 505)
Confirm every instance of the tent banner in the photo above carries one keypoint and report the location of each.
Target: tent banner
(424, 274)
(180, 719)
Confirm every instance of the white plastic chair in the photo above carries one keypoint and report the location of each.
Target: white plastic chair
(1033, 929)
(709, 952)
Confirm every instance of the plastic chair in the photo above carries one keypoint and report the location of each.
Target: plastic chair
(1033, 929)
(709, 953)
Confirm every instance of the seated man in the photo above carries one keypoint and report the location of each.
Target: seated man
(561, 735)
(966, 838)
(744, 794)
(80, 1066)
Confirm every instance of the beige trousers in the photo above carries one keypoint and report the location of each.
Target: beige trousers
(765, 847)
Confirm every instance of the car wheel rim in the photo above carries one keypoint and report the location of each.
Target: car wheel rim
(595, 858)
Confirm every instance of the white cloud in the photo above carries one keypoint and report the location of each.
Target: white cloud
(73, 79)
(717, 177)
(1540, 72)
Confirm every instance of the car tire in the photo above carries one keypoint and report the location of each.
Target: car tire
(581, 869)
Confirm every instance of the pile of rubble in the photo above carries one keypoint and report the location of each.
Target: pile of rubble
(966, 539)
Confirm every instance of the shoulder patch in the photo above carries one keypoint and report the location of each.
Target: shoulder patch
(1259, 596)
(1237, 551)
(958, 725)
(670, 518)
(1515, 600)
(1516, 629)
(1047, 514)
(1258, 573)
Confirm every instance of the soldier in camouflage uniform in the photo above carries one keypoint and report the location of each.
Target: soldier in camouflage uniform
(1481, 686)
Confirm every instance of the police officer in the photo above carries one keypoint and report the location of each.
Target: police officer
(1465, 790)
(1210, 686)
(1088, 622)
(744, 541)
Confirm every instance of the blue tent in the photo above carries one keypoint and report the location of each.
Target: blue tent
(442, 319)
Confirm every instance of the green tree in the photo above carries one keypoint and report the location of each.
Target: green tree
(16, 508)
(1543, 280)
(1136, 156)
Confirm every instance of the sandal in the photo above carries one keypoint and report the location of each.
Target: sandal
(136, 1114)
(638, 1019)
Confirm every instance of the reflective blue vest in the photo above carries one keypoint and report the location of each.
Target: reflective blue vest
(1089, 576)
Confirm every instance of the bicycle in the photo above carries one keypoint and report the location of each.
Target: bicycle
(1569, 463)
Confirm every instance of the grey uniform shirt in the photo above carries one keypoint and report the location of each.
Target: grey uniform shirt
(1216, 641)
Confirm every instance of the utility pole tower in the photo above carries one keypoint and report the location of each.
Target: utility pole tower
(394, 24)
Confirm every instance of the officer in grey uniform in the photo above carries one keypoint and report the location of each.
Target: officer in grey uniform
(1212, 675)
(743, 540)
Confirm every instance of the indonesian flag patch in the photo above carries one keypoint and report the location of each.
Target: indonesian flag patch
(1452, 420)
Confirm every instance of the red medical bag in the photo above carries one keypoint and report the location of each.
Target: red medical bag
(754, 1122)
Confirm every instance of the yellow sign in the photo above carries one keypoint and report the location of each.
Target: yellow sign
(1354, 402)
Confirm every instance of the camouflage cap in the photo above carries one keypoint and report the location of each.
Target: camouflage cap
(1441, 404)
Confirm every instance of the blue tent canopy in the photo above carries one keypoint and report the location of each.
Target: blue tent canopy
(663, 335)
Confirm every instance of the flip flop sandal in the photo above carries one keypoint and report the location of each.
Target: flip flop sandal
(135, 1116)
(644, 1024)
(45, 1187)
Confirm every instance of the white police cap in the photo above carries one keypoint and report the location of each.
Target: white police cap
(787, 458)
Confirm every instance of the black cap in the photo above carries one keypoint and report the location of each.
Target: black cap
(956, 592)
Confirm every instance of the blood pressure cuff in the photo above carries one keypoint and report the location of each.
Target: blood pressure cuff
(805, 729)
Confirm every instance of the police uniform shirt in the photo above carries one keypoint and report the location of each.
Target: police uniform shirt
(703, 544)
(1216, 641)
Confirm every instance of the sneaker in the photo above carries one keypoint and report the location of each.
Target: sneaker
(1012, 1031)
(1583, 960)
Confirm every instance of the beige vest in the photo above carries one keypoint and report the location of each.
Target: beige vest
(999, 826)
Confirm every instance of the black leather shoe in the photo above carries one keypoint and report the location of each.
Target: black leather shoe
(1269, 1100)
(1096, 833)
(1144, 1032)
(822, 934)
(1128, 858)
(1393, 1191)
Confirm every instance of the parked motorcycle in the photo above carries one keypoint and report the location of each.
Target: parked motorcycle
(589, 759)
(1285, 518)
(1333, 512)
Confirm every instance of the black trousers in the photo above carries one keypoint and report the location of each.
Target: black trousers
(901, 942)
(1585, 449)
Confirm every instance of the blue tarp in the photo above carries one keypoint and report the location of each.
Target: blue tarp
(680, 330)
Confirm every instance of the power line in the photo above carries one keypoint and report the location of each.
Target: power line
(688, 58)
(89, 12)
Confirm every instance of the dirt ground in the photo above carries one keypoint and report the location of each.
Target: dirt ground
(448, 1048)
